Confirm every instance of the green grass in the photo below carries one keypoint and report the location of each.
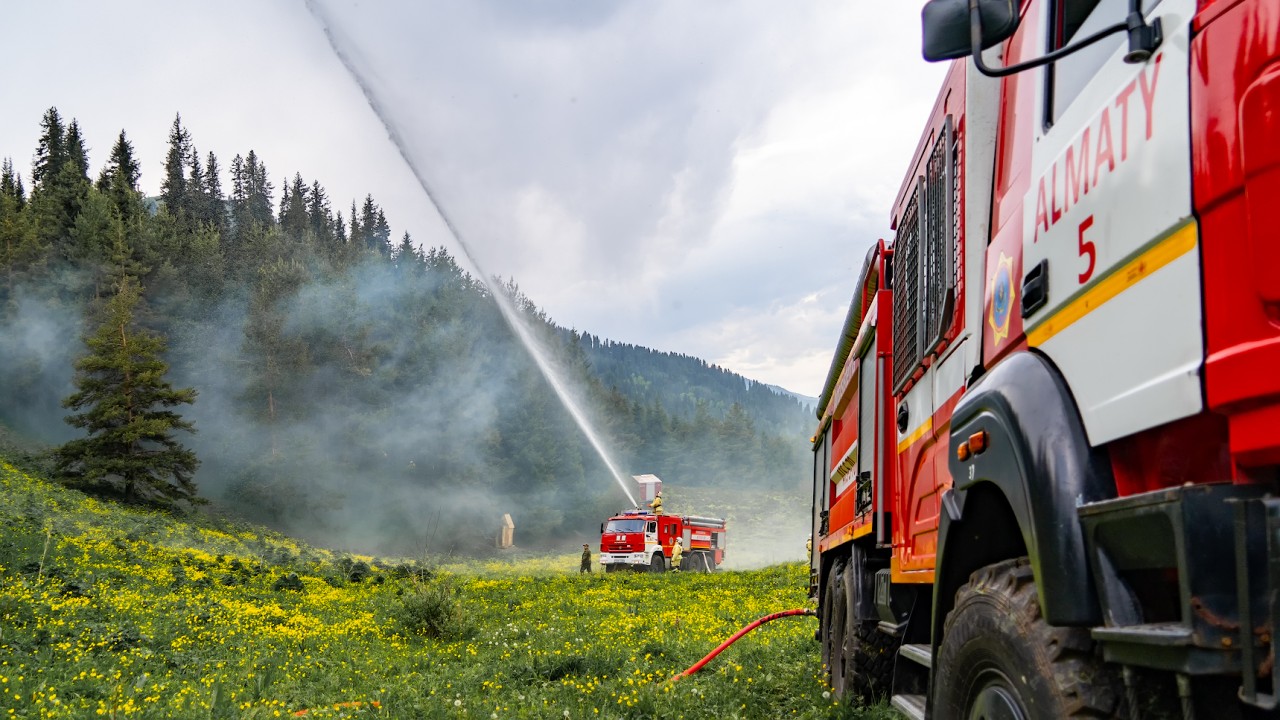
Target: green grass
(114, 612)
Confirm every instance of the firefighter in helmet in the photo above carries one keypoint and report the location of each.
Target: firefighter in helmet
(657, 503)
(585, 567)
(677, 554)
(808, 545)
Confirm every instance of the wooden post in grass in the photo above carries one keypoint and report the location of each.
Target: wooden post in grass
(506, 532)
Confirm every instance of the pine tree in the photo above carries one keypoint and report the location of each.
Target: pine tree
(344, 251)
(369, 225)
(214, 210)
(293, 208)
(238, 178)
(257, 190)
(173, 189)
(59, 194)
(355, 238)
(18, 248)
(11, 184)
(382, 235)
(130, 450)
(320, 216)
(251, 217)
(119, 179)
(49, 153)
(408, 259)
(196, 201)
(339, 230)
(76, 152)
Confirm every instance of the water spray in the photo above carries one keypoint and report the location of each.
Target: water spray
(505, 306)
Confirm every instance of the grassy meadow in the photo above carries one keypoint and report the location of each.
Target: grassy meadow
(122, 613)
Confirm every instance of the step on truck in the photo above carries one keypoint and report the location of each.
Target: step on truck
(1045, 472)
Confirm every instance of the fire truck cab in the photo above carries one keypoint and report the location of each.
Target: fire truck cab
(1047, 459)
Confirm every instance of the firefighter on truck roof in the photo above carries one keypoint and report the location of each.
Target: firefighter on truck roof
(657, 503)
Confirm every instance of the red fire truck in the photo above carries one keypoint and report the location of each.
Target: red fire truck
(644, 541)
(1047, 466)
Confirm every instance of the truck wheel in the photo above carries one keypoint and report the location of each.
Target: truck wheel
(869, 654)
(1000, 659)
(824, 617)
(834, 619)
(658, 564)
(610, 568)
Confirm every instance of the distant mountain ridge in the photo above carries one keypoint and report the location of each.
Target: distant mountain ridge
(681, 383)
(809, 400)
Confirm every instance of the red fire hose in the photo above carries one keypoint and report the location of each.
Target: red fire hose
(767, 618)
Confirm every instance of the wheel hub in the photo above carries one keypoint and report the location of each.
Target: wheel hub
(996, 700)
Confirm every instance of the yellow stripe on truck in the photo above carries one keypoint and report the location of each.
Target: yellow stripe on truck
(1157, 255)
(915, 435)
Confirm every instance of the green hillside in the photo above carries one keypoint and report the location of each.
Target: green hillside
(114, 612)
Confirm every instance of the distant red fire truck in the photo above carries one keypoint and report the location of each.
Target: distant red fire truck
(641, 540)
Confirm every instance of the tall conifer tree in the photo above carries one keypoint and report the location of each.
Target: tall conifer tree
(17, 244)
(11, 184)
(214, 210)
(125, 401)
(293, 208)
(119, 179)
(58, 196)
(173, 188)
(76, 153)
(320, 217)
(49, 152)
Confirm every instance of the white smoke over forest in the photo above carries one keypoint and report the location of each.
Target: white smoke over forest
(354, 391)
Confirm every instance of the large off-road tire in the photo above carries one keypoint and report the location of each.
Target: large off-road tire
(869, 654)
(869, 657)
(658, 563)
(835, 615)
(1000, 659)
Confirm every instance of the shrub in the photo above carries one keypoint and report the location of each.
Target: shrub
(434, 610)
(354, 570)
(288, 582)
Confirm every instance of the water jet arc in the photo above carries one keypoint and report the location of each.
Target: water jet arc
(509, 313)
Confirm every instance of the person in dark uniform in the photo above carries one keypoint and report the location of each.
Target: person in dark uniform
(586, 559)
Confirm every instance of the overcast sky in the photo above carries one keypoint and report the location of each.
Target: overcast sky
(696, 177)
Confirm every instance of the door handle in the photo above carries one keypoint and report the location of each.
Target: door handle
(1035, 288)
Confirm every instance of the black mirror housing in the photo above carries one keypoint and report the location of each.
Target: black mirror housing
(946, 26)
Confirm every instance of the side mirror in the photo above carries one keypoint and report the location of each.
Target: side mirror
(947, 26)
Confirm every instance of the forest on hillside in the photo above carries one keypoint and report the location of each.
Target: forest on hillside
(350, 386)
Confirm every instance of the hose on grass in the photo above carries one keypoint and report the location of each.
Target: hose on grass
(752, 626)
(692, 668)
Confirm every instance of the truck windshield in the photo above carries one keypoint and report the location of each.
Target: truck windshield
(625, 526)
